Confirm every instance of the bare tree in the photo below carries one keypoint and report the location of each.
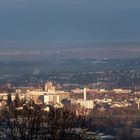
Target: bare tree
(30, 122)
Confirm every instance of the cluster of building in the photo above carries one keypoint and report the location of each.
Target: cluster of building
(49, 96)
(87, 99)
(113, 98)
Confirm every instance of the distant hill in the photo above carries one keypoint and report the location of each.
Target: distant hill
(30, 51)
(66, 65)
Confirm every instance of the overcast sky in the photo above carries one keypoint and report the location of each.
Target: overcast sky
(63, 20)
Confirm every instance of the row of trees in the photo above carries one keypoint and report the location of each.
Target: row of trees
(121, 122)
(31, 122)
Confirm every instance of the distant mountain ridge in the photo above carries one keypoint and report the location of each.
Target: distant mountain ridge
(67, 50)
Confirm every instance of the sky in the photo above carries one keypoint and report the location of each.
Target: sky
(26, 25)
(70, 20)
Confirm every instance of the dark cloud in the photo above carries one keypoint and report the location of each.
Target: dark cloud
(96, 20)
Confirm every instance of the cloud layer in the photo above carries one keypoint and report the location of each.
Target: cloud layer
(96, 20)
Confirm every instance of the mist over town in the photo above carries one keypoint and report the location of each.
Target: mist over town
(69, 70)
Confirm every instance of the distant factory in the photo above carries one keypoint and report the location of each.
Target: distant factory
(84, 103)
